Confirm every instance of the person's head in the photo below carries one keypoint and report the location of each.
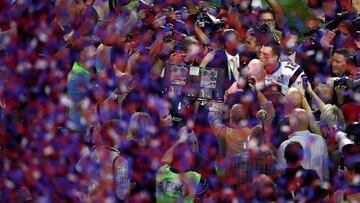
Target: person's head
(139, 127)
(256, 69)
(299, 120)
(294, 153)
(346, 30)
(265, 188)
(269, 53)
(340, 61)
(313, 23)
(291, 40)
(351, 154)
(267, 16)
(293, 99)
(159, 109)
(191, 46)
(330, 117)
(251, 41)
(87, 53)
(183, 158)
(353, 132)
(255, 138)
(238, 115)
(230, 40)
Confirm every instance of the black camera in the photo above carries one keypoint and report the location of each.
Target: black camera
(263, 28)
(341, 82)
(356, 23)
(353, 132)
(207, 23)
(351, 85)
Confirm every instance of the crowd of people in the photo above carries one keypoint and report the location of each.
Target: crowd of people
(91, 113)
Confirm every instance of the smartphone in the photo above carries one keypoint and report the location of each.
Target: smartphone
(304, 81)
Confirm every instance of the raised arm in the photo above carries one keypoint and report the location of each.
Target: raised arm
(215, 119)
(314, 127)
(319, 103)
(264, 102)
(278, 11)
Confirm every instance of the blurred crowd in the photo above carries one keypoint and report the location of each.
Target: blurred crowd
(89, 110)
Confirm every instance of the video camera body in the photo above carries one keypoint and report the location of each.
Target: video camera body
(196, 83)
(208, 22)
(332, 24)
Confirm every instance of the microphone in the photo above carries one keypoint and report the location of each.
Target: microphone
(261, 114)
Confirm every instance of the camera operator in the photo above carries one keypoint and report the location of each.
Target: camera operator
(267, 17)
(190, 55)
(227, 58)
(322, 39)
(342, 63)
(347, 97)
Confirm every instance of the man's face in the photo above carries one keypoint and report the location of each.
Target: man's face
(232, 41)
(290, 43)
(338, 64)
(312, 24)
(266, 56)
(251, 43)
(269, 19)
(193, 49)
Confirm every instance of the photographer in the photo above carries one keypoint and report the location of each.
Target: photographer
(190, 55)
(342, 63)
(343, 68)
(267, 17)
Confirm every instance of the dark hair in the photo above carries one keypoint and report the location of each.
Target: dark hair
(294, 152)
(353, 132)
(351, 154)
(267, 10)
(349, 56)
(274, 45)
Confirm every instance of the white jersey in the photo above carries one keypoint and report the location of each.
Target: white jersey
(286, 76)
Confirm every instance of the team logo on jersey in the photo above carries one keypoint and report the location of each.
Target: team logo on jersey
(173, 188)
